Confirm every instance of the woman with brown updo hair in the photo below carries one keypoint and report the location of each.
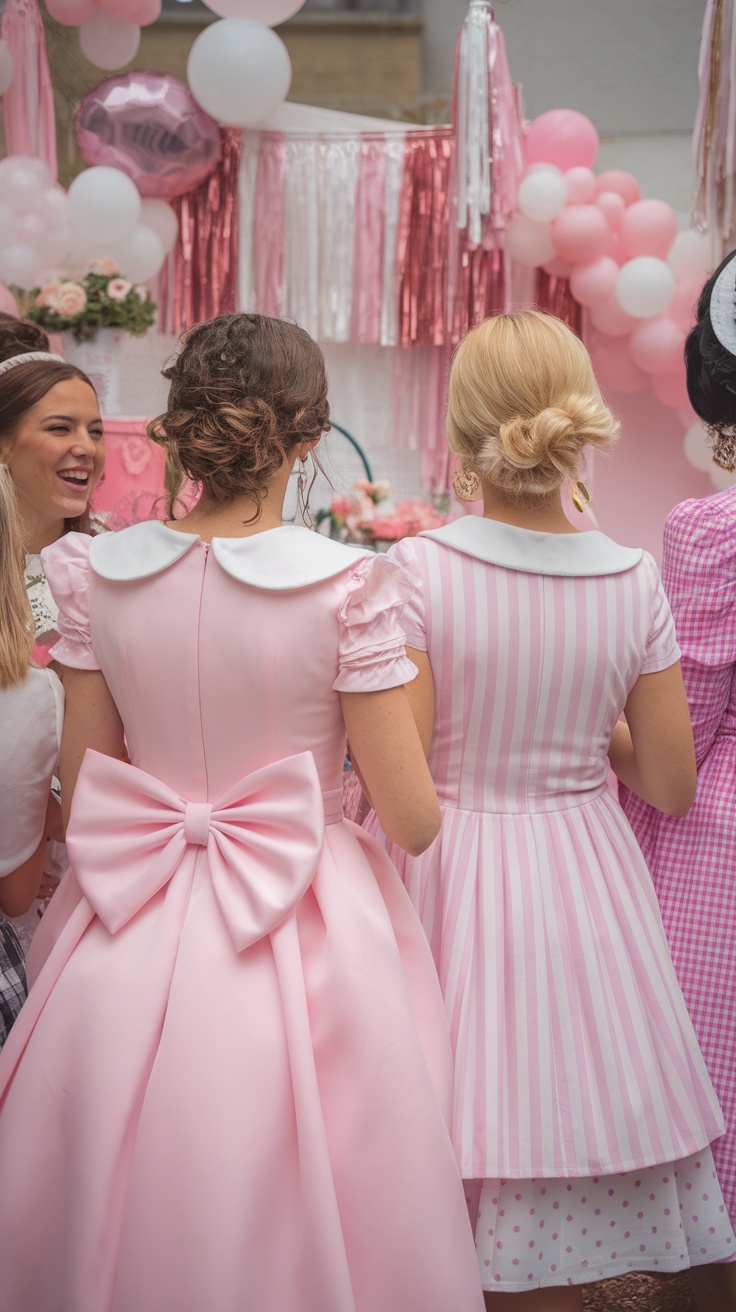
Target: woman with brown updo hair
(240, 1017)
(583, 1111)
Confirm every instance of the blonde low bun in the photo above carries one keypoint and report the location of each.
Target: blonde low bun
(524, 404)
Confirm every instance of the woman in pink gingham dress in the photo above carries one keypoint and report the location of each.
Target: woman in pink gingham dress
(693, 859)
(582, 1110)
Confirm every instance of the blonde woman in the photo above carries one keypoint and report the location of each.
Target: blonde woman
(583, 1110)
(31, 704)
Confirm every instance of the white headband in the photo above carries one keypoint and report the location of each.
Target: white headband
(723, 307)
(27, 357)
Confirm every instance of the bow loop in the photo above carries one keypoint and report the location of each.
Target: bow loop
(129, 834)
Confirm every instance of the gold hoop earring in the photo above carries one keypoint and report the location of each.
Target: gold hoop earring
(580, 496)
(466, 484)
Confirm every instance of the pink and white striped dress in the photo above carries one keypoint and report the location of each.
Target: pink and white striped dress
(574, 1052)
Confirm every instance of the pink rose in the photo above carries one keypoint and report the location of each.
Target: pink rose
(69, 300)
(340, 507)
(105, 267)
(118, 288)
(389, 528)
(48, 290)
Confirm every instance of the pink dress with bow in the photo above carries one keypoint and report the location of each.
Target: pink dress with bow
(230, 1086)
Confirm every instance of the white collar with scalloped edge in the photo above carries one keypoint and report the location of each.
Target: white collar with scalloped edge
(277, 559)
(574, 554)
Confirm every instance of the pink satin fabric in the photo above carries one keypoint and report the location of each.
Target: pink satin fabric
(28, 104)
(129, 834)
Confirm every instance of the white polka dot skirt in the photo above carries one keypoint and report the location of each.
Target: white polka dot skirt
(534, 1233)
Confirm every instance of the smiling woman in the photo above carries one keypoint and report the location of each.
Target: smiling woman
(52, 446)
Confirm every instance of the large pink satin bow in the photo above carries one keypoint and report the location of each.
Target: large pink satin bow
(128, 833)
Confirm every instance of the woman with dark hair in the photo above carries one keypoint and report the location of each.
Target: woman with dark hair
(693, 859)
(239, 1025)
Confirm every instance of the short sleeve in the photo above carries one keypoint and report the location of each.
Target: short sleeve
(413, 620)
(66, 566)
(31, 713)
(700, 577)
(371, 640)
(661, 649)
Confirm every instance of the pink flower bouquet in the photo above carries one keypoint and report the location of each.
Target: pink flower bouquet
(99, 298)
(356, 518)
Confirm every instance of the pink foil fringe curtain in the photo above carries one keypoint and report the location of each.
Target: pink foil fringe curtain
(200, 278)
(28, 104)
(714, 135)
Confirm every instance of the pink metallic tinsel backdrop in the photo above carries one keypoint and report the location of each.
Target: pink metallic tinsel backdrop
(200, 278)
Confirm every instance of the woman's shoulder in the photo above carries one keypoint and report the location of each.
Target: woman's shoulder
(705, 521)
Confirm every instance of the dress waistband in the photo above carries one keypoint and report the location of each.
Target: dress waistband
(332, 801)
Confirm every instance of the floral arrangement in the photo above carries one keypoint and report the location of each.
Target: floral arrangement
(363, 517)
(99, 298)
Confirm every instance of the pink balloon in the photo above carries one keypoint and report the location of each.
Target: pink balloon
(8, 303)
(562, 137)
(649, 227)
(72, 13)
(656, 346)
(618, 180)
(117, 8)
(150, 126)
(593, 283)
(687, 415)
(611, 320)
(558, 268)
(614, 367)
(580, 184)
(613, 247)
(109, 42)
(612, 205)
(270, 12)
(580, 233)
(682, 308)
(671, 389)
(146, 12)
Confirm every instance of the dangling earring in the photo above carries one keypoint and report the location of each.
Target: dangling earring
(466, 484)
(301, 486)
(579, 495)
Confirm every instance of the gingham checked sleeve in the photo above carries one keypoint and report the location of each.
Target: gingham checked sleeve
(699, 572)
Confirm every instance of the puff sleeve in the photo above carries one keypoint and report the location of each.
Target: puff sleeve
(700, 578)
(66, 566)
(371, 641)
(661, 649)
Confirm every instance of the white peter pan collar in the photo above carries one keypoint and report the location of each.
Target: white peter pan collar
(574, 554)
(277, 559)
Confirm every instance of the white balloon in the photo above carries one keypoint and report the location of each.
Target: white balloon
(104, 205)
(32, 230)
(20, 265)
(543, 194)
(140, 255)
(8, 225)
(55, 207)
(109, 42)
(29, 163)
(20, 186)
(7, 67)
(239, 71)
(697, 451)
(721, 478)
(161, 219)
(644, 286)
(527, 242)
(691, 255)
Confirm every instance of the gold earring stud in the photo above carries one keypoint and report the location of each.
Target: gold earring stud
(466, 484)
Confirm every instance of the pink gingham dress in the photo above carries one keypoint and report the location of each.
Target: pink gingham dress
(581, 1100)
(693, 859)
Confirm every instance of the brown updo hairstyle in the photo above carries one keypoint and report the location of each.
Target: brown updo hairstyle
(245, 391)
(523, 404)
(25, 385)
